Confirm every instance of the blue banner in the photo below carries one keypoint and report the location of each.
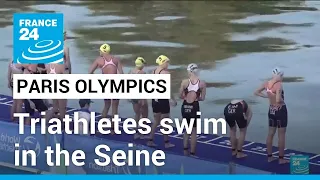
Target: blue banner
(178, 164)
(174, 164)
(88, 144)
(10, 135)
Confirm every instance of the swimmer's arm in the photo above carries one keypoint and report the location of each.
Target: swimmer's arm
(278, 95)
(68, 62)
(9, 72)
(26, 68)
(248, 115)
(93, 67)
(258, 92)
(172, 96)
(182, 87)
(203, 91)
(18, 65)
(120, 68)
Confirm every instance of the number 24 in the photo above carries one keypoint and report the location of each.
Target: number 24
(296, 163)
(26, 35)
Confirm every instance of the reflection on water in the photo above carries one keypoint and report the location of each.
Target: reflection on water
(236, 44)
(227, 101)
(219, 84)
(291, 79)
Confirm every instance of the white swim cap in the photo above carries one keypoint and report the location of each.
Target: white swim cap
(192, 67)
(277, 71)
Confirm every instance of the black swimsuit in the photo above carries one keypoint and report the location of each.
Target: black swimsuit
(161, 106)
(233, 114)
(189, 110)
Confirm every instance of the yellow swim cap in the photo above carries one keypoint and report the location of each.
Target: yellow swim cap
(140, 62)
(162, 59)
(105, 48)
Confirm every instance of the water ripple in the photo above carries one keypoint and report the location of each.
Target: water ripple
(128, 33)
(146, 43)
(287, 18)
(168, 18)
(114, 25)
(114, 18)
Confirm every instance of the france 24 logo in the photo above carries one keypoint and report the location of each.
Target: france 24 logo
(38, 38)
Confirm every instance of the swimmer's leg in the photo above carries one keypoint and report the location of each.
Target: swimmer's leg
(104, 114)
(193, 143)
(137, 110)
(115, 105)
(269, 142)
(281, 145)
(243, 132)
(144, 113)
(62, 108)
(233, 139)
(145, 109)
(107, 104)
(282, 127)
(167, 143)
(13, 107)
(17, 108)
(157, 118)
(186, 137)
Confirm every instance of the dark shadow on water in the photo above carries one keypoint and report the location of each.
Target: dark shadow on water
(220, 84)
(8, 14)
(3, 60)
(226, 101)
(70, 37)
(264, 26)
(295, 8)
(290, 79)
(293, 79)
(266, 44)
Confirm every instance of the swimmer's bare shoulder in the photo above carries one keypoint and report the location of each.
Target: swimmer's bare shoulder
(99, 61)
(115, 60)
(277, 86)
(202, 84)
(165, 72)
(141, 72)
(185, 83)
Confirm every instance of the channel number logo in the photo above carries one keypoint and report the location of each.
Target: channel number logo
(299, 165)
(38, 47)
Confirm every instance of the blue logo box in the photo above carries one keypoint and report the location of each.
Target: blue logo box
(299, 164)
(38, 38)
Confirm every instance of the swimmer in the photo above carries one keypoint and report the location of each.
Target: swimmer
(34, 104)
(59, 105)
(84, 113)
(17, 103)
(237, 112)
(108, 65)
(140, 106)
(278, 115)
(161, 107)
(192, 90)
(41, 68)
(66, 57)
